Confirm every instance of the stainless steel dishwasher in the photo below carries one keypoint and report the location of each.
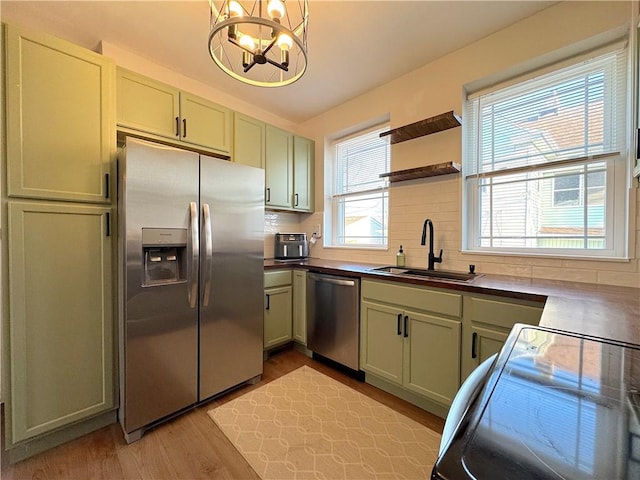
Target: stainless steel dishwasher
(333, 318)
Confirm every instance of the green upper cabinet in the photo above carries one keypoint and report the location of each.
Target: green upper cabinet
(636, 170)
(60, 116)
(147, 105)
(279, 168)
(289, 171)
(248, 141)
(61, 352)
(157, 109)
(303, 156)
(205, 123)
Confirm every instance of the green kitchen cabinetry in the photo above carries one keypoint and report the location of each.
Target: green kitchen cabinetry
(60, 316)
(278, 168)
(59, 121)
(300, 306)
(289, 165)
(278, 293)
(165, 112)
(303, 165)
(487, 323)
(410, 337)
(249, 137)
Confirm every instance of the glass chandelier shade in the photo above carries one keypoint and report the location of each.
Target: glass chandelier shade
(262, 43)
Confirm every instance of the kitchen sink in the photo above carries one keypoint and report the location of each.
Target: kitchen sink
(432, 274)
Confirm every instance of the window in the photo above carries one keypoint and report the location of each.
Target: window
(545, 162)
(359, 197)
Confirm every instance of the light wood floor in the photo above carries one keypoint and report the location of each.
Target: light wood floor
(188, 447)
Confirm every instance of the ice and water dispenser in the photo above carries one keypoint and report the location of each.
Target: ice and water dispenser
(164, 256)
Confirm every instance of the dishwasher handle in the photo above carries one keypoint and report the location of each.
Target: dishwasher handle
(333, 281)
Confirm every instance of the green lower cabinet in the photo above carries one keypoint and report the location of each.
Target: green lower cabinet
(60, 316)
(417, 351)
(484, 343)
(381, 341)
(277, 316)
(432, 356)
(300, 306)
(487, 323)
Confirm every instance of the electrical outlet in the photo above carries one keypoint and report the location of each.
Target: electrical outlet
(318, 230)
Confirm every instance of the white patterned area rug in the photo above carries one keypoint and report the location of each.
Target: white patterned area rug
(306, 425)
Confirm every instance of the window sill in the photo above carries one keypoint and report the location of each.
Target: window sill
(558, 256)
(356, 247)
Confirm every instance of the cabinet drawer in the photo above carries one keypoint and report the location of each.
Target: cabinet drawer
(414, 297)
(501, 313)
(277, 278)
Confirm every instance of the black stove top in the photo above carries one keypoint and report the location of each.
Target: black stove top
(555, 406)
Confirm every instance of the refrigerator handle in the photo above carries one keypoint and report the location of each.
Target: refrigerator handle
(195, 250)
(208, 245)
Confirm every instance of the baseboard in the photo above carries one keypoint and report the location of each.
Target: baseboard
(428, 405)
(42, 443)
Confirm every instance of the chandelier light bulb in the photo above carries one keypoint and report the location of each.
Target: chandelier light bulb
(235, 9)
(275, 9)
(284, 41)
(248, 42)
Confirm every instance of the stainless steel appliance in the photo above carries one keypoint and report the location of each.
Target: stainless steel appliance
(333, 318)
(191, 279)
(289, 246)
(552, 405)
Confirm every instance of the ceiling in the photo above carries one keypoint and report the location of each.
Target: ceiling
(354, 46)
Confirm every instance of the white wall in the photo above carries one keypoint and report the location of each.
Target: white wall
(436, 88)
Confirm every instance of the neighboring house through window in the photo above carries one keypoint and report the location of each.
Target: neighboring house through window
(545, 162)
(359, 200)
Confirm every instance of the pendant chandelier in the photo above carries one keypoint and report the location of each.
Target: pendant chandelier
(262, 43)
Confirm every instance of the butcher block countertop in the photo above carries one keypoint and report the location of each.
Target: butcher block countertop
(603, 311)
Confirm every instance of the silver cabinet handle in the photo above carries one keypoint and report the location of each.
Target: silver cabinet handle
(333, 281)
(208, 245)
(195, 250)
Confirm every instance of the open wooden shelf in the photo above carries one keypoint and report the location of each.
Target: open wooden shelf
(422, 172)
(441, 122)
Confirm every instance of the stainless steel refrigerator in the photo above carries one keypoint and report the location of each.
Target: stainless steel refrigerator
(191, 279)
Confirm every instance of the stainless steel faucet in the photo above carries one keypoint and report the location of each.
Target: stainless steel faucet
(432, 259)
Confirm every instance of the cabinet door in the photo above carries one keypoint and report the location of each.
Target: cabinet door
(278, 171)
(432, 356)
(484, 343)
(146, 105)
(303, 151)
(59, 119)
(205, 123)
(60, 323)
(300, 306)
(277, 316)
(381, 341)
(248, 141)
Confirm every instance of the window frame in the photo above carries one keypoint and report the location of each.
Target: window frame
(334, 214)
(617, 167)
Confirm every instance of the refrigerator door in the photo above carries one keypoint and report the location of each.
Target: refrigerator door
(231, 274)
(159, 218)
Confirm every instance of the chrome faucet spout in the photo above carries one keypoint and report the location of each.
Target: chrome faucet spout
(431, 259)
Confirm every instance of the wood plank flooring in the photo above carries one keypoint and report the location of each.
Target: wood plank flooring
(188, 447)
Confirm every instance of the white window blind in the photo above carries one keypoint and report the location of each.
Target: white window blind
(360, 196)
(544, 162)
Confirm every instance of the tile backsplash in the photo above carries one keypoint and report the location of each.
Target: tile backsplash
(413, 201)
(278, 222)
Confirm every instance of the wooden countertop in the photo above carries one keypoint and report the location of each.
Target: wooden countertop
(603, 311)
